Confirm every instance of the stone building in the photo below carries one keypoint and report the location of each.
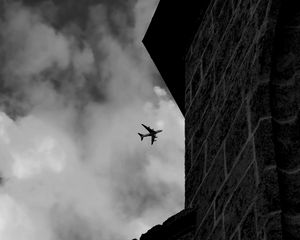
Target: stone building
(242, 101)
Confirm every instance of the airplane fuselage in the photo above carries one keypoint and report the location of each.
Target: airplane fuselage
(151, 134)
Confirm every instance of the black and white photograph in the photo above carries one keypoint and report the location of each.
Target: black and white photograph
(149, 120)
(76, 86)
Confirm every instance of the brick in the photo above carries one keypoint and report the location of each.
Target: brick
(242, 74)
(187, 96)
(229, 77)
(198, 45)
(287, 143)
(235, 236)
(214, 141)
(261, 235)
(204, 36)
(206, 226)
(228, 45)
(290, 227)
(245, 6)
(222, 21)
(217, 8)
(242, 63)
(189, 53)
(248, 227)
(193, 58)
(226, 50)
(199, 104)
(244, 44)
(240, 201)
(245, 159)
(287, 103)
(196, 80)
(197, 145)
(205, 125)
(192, 54)
(210, 185)
(268, 200)
(208, 119)
(287, 49)
(219, 69)
(190, 68)
(201, 132)
(218, 231)
(218, 98)
(264, 146)
(261, 12)
(273, 228)
(207, 56)
(260, 104)
(290, 190)
(236, 137)
(249, 71)
(235, 3)
(254, 3)
(240, 23)
(222, 124)
(195, 176)
(265, 48)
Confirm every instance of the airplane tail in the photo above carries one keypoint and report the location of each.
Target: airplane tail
(141, 135)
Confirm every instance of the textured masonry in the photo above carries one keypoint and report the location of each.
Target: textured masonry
(285, 107)
(231, 172)
(242, 122)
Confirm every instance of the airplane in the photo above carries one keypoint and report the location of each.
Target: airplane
(152, 133)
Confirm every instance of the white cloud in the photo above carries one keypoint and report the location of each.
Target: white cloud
(159, 91)
(16, 222)
(75, 163)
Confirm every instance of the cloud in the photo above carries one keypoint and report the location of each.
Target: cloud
(30, 45)
(17, 221)
(143, 12)
(75, 166)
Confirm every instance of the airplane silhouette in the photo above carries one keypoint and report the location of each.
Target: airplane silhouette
(152, 133)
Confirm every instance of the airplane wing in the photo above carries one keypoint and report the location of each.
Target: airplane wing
(150, 130)
(152, 139)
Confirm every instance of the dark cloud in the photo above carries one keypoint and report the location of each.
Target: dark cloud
(78, 83)
(74, 24)
(119, 14)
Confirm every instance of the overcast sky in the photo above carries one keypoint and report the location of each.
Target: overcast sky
(75, 87)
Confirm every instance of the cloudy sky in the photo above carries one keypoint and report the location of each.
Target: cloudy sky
(75, 85)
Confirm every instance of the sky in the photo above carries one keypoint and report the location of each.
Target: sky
(75, 85)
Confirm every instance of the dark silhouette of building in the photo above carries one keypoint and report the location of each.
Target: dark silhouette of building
(242, 119)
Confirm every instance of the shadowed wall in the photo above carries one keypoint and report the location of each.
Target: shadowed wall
(231, 173)
(234, 180)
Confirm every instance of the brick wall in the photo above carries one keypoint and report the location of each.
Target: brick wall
(231, 174)
(285, 108)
